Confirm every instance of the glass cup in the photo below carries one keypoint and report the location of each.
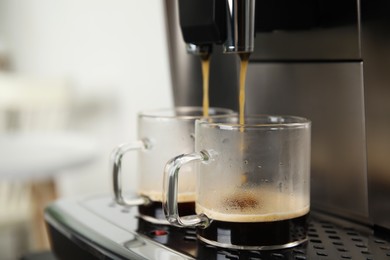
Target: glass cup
(162, 134)
(253, 182)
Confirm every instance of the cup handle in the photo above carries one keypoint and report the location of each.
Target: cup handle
(170, 191)
(116, 165)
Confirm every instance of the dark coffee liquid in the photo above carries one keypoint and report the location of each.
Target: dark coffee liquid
(253, 234)
(155, 209)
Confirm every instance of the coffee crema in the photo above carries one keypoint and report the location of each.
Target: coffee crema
(254, 218)
(253, 205)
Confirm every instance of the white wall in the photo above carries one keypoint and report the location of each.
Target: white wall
(114, 54)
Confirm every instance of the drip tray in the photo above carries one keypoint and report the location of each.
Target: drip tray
(98, 227)
(329, 238)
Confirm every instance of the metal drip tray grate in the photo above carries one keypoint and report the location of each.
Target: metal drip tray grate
(329, 239)
(97, 228)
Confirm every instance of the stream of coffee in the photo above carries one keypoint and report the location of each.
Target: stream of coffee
(244, 57)
(243, 69)
(205, 59)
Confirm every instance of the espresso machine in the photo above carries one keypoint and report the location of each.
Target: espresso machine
(325, 60)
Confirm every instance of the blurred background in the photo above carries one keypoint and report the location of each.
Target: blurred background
(73, 75)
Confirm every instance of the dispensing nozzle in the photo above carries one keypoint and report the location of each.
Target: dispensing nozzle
(199, 49)
(240, 26)
(227, 22)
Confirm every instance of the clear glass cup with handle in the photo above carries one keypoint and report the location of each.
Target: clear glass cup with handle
(253, 182)
(162, 133)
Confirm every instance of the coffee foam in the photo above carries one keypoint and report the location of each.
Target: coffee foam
(253, 205)
(157, 196)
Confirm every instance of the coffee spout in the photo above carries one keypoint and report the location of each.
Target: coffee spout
(228, 22)
(240, 26)
(200, 49)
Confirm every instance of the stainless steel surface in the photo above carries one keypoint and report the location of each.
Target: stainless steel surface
(376, 56)
(331, 43)
(240, 26)
(322, 30)
(185, 84)
(331, 95)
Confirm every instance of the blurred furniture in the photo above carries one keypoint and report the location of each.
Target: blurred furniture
(14, 225)
(30, 104)
(35, 159)
(14, 203)
(35, 145)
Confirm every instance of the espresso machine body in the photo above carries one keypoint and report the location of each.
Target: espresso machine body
(324, 60)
